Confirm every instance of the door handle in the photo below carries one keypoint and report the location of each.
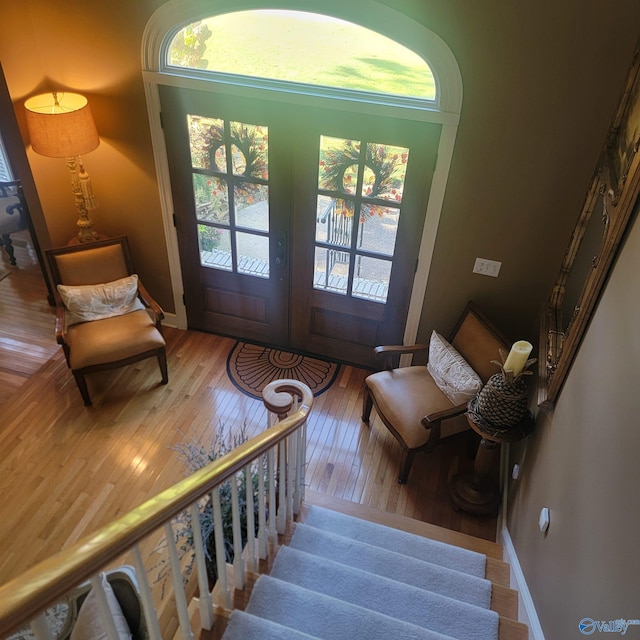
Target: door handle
(281, 253)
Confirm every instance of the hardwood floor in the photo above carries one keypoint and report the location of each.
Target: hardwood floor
(66, 469)
(26, 320)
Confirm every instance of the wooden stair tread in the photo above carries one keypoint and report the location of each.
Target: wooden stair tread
(490, 549)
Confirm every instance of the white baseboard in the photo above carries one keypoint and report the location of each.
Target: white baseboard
(170, 320)
(526, 609)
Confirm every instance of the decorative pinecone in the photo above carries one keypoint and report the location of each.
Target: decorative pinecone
(502, 403)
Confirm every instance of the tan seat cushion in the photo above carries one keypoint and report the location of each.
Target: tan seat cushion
(112, 339)
(404, 397)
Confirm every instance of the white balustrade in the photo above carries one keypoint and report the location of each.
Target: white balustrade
(279, 496)
(238, 561)
(206, 603)
(178, 586)
(251, 525)
(148, 608)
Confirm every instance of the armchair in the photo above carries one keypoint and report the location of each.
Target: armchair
(125, 607)
(105, 317)
(415, 402)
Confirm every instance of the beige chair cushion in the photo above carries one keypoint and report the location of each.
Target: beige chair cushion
(112, 339)
(404, 396)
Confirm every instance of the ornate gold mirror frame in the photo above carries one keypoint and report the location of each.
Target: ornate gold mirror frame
(605, 216)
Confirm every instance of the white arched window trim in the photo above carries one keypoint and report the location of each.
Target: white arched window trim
(445, 110)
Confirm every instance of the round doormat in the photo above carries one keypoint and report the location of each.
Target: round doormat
(251, 368)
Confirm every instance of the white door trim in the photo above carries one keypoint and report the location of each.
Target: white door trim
(171, 16)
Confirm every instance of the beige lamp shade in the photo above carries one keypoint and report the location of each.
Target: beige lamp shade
(61, 125)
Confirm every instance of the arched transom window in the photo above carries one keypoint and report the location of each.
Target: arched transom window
(305, 48)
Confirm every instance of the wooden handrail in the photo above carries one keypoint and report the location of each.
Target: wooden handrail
(46, 583)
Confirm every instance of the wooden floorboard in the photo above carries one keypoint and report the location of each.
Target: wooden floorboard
(26, 320)
(67, 469)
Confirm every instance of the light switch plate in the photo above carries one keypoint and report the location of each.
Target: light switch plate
(487, 267)
(543, 520)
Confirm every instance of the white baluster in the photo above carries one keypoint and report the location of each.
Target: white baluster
(150, 614)
(297, 495)
(221, 560)
(40, 628)
(294, 464)
(238, 561)
(178, 588)
(103, 606)
(251, 521)
(282, 487)
(271, 478)
(206, 604)
(303, 460)
(297, 465)
(263, 539)
(292, 472)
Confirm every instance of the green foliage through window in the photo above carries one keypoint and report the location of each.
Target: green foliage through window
(308, 48)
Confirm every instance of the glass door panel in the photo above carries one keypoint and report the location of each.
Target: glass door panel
(230, 164)
(356, 179)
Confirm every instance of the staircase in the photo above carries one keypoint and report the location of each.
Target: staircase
(345, 572)
(346, 577)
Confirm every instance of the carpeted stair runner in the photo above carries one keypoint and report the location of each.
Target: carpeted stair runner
(391, 564)
(327, 618)
(397, 599)
(378, 535)
(244, 625)
(345, 578)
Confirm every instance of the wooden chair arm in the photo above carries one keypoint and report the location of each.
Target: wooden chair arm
(149, 302)
(60, 323)
(390, 352)
(438, 416)
(433, 421)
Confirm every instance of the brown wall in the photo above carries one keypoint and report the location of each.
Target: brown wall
(582, 464)
(541, 80)
(93, 49)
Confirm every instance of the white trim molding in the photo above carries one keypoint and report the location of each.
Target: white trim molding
(526, 608)
(445, 110)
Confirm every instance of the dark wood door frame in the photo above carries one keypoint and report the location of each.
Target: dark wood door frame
(22, 171)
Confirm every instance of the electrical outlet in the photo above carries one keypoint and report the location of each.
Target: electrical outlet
(487, 267)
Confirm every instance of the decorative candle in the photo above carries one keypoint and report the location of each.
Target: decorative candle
(518, 356)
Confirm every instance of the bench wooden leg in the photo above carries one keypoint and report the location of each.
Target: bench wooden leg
(82, 386)
(162, 362)
(406, 467)
(367, 404)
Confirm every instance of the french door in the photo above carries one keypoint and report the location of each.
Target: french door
(297, 227)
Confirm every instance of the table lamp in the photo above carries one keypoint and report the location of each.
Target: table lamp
(61, 126)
